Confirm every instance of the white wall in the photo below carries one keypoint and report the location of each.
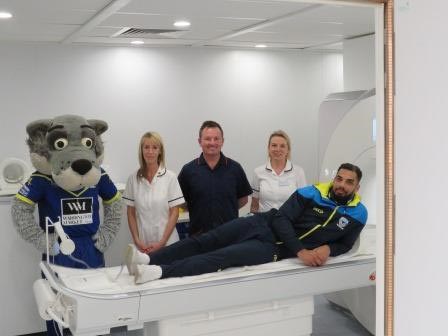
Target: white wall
(172, 90)
(360, 74)
(359, 63)
(421, 144)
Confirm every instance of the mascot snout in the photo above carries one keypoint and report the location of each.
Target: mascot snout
(81, 166)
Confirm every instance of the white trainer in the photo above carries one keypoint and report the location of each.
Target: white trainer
(145, 273)
(134, 257)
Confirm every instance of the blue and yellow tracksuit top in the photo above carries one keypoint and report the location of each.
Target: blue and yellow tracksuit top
(317, 220)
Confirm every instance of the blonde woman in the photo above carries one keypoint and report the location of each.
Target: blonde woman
(152, 196)
(276, 180)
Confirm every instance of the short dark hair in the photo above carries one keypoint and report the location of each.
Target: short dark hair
(210, 124)
(353, 168)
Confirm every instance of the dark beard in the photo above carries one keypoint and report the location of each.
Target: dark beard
(340, 200)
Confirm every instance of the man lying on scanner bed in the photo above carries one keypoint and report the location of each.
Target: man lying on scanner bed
(316, 222)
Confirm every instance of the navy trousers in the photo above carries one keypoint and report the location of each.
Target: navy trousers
(241, 242)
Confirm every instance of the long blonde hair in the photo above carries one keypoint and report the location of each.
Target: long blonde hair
(282, 134)
(157, 139)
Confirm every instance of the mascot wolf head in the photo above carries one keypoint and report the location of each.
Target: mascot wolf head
(69, 148)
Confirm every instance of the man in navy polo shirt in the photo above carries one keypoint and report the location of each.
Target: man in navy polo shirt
(214, 186)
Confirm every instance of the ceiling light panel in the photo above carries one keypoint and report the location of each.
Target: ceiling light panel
(182, 24)
(5, 15)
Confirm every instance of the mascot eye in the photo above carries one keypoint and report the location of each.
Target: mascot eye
(87, 142)
(60, 143)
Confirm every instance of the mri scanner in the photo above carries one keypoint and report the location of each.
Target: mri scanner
(273, 298)
(347, 133)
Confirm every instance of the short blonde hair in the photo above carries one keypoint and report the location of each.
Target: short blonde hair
(282, 134)
(157, 139)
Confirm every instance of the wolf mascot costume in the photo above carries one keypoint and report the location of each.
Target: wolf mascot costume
(67, 152)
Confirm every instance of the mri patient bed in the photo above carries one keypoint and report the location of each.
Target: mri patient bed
(273, 297)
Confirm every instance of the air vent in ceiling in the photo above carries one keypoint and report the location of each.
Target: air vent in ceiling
(149, 33)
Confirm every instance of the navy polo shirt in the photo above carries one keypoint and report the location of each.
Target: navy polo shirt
(212, 194)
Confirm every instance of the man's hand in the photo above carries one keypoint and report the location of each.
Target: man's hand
(316, 257)
(323, 252)
(308, 257)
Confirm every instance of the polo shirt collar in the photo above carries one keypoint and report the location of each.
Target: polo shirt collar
(288, 166)
(222, 160)
(161, 171)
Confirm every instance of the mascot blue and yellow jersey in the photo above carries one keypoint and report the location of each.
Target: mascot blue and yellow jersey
(78, 212)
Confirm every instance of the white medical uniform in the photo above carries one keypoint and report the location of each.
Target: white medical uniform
(273, 190)
(152, 202)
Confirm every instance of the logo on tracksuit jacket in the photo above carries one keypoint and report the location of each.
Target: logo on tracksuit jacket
(342, 223)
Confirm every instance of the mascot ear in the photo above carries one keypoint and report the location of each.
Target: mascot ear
(99, 125)
(38, 129)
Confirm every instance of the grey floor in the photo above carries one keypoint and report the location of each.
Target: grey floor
(328, 320)
(331, 320)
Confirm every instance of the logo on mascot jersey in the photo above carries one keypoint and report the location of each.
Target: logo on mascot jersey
(76, 211)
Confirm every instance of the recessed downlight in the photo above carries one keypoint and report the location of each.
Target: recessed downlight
(182, 24)
(5, 15)
(137, 42)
